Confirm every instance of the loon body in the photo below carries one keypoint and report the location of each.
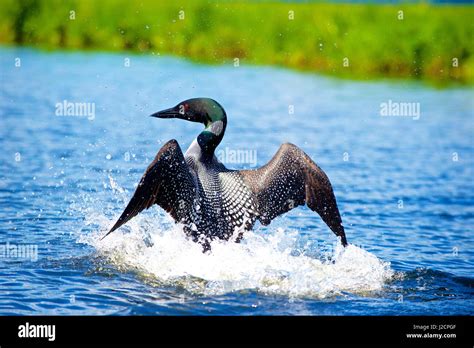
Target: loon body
(212, 201)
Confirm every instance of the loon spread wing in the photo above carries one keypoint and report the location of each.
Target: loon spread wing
(166, 182)
(212, 201)
(290, 179)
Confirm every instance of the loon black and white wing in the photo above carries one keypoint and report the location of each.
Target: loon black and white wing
(291, 179)
(166, 182)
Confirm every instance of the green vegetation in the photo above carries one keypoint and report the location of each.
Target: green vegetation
(370, 39)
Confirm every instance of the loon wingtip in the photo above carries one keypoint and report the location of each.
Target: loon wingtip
(344, 240)
(102, 238)
(111, 230)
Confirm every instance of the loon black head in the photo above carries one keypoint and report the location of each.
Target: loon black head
(202, 110)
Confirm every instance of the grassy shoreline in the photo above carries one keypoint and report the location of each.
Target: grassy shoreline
(360, 41)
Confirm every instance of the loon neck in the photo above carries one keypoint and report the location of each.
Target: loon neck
(211, 136)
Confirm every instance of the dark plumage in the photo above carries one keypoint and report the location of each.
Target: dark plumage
(212, 201)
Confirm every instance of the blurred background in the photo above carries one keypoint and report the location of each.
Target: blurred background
(360, 39)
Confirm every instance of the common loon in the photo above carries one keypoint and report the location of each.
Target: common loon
(212, 201)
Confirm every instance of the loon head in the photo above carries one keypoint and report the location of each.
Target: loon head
(202, 110)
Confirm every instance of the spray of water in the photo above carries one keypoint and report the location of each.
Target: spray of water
(156, 248)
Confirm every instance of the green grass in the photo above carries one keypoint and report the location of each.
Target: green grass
(372, 38)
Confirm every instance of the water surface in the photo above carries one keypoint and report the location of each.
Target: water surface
(404, 187)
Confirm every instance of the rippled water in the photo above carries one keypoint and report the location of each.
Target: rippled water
(404, 187)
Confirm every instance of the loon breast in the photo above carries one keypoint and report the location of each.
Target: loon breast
(224, 204)
(238, 205)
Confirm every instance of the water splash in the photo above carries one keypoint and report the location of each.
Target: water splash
(158, 250)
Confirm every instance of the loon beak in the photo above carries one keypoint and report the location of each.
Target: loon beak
(178, 112)
(167, 113)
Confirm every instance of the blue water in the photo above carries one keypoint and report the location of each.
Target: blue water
(404, 187)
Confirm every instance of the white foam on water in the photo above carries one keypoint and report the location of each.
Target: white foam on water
(268, 263)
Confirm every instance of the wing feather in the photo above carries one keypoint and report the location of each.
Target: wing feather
(166, 182)
(291, 179)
